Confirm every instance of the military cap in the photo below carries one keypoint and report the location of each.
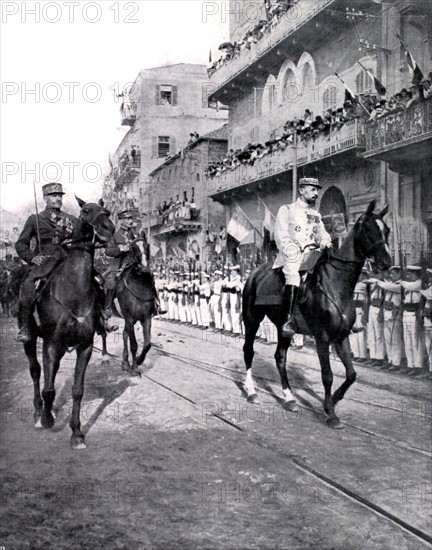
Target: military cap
(235, 268)
(204, 274)
(52, 189)
(217, 272)
(395, 267)
(429, 271)
(413, 268)
(309, 181)
(124, 214)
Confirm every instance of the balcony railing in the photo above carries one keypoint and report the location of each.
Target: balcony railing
(289, 22)
(397, 129)
(128, 112)
(128, 169)
(350, 136)
(177, 218)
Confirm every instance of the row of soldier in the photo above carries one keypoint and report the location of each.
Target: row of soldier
(393, 328)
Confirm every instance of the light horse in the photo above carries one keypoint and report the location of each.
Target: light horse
(69, 316)
(135, 295)
(325, 309)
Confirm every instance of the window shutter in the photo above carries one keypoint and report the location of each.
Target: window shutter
(157, 99)
(154, 147)
(172, 146)
(174, 95)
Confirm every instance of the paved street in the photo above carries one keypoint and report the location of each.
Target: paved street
(176, 458)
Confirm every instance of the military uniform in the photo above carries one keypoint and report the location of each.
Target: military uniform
(411, 316)
(358, 338)
(235, 287)
(393, 330)
(225, 305)
(375, 336)
(427, 322)
(215, 301)
(205, 291)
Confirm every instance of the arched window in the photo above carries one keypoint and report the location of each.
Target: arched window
(364, 83)
(308, 79)
(290, 90)
(330, 98)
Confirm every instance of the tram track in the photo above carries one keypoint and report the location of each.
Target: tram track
(325, 480)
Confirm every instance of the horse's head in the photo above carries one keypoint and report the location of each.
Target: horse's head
(371, 235)
(96, 216)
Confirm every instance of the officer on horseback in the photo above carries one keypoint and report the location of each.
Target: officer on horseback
(123, 251)
(48, 230)
(297, 227)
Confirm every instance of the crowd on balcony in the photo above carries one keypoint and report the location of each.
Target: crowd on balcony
(274, 11)
(172, 211)
(308, 128)
(403, 99)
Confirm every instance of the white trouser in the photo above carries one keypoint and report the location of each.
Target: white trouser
(171, 314)
(216, 312)
(375, 334)
(182, 310)
(412, 340)
(428, 340)
(235, 315)
(358, 339)
(393, 337)
(226, 317)
(205, 313)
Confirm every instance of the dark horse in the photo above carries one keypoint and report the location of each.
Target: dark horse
(68, 314)
(136, 298)
(325, 309)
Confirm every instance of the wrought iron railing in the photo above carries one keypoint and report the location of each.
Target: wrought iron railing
(399, 126)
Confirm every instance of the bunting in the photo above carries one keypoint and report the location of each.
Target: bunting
(379, 86)
(412, 64)
(239, 225)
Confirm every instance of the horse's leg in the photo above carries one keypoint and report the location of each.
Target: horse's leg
(35, 373)
(146, 328)
(125, 360)
(105, 357)
(251, 325)
(344, 351)
(52, 354)
(323, 349)
(281, 357)
(133, 345)
(83, 357)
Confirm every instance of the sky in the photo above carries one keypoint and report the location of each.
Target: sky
(60, 68)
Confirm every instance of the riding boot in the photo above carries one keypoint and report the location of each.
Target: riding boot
(290, 293)
(107, 311)
(26, 307)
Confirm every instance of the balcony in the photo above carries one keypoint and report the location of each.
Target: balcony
(401, 136)
(178, 219)
(128, 169)
(350, 137)
(128, 112)
(265, 55)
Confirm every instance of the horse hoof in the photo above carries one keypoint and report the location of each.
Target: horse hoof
(78, 445)
(47, 422)
(290, 406)
(38, 424)
(125, 367)
(134, 372)
(253, 398)
(334, 423)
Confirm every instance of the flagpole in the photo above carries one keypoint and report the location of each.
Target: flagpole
(372, 75)
(351, 93)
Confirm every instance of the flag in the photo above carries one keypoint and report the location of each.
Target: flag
(379, 86)
(239, 225)
(210, 56)
(269, 220)
(412, 64)
(349, 94)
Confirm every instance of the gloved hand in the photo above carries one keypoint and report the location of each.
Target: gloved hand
(38, 259)
(329, 246)
(124, 247)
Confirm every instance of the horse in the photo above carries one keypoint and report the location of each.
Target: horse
(325, 308)
(68, 316)
(135, 295)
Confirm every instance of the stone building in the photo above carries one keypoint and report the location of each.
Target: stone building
(162, 108)
(282, 68)
(184, 223)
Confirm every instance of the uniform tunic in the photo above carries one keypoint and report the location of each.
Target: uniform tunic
(54, 227)
(393, 330)
(297, 225)
(235, 287)
(410, 320)
(205, 292)
(375, 334)
(215, 303)
(358, 339)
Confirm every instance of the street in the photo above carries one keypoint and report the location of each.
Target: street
(177, 458)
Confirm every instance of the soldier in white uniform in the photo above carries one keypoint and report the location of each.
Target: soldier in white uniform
(205, 291)
(411, 286)
(215, 299)
(375, 334)
(393, 331)
(297, 226)
(235, 287)
(358, 337)
(196, 310)
(225, 303)
(182, 296)
(427, 318)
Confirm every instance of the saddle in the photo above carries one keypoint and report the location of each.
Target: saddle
(269, 288)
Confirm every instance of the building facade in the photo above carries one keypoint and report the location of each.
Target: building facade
(289, 79)
(184, 223)
(162, 108)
